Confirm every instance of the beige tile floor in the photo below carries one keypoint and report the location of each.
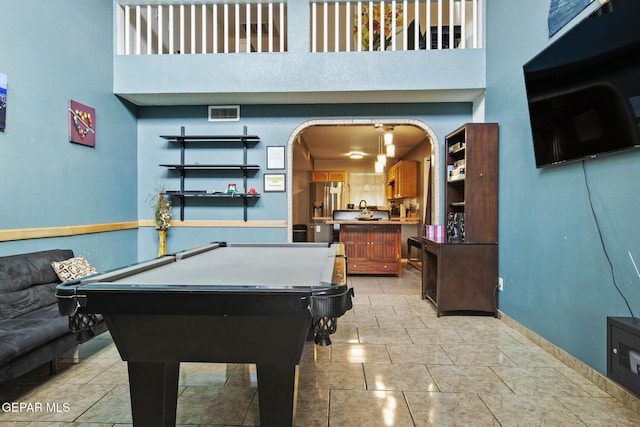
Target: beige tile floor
(392, 363)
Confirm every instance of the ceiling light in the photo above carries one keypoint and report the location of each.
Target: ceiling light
(388, 138)
(378, 167)
(356, 155)
(391, 150)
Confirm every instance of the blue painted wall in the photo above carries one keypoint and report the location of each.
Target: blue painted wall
(274, 124)
(557, 279)
(52, 52)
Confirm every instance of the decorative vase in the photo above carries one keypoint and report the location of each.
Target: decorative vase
(162, 242)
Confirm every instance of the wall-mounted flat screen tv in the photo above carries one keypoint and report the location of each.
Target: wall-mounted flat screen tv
(584, 89)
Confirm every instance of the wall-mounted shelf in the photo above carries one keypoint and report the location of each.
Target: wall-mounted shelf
(183, 168)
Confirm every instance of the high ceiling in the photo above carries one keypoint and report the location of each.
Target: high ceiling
(335, 142)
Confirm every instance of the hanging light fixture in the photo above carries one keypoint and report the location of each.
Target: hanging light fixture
(390, 150)
(382, 158)
(378, 167)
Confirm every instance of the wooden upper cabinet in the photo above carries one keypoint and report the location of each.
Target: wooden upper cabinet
(328, 176)
(402, 180)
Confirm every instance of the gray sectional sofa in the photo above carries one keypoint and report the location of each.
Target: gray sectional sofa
(32, 332)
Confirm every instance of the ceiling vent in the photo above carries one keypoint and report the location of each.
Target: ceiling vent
(224, 113)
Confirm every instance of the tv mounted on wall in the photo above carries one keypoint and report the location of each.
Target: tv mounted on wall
(584, 89)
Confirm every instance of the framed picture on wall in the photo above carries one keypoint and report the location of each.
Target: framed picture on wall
(275, 182)
(275, 157)
(82, 124)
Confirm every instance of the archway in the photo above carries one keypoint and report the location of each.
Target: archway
(435, 173)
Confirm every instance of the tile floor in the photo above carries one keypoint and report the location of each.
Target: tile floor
(392, 363)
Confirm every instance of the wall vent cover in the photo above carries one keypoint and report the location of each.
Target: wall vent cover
(224, 113)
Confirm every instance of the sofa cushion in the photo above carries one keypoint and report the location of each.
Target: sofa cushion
(73, 268)
(20, 335)
(19, 273)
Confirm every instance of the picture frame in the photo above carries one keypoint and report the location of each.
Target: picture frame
(82, 124)
(275, 157)
(275, 182)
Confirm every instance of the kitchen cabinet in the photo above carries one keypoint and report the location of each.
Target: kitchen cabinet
(328, 176)
(372, 248)
(402, 180)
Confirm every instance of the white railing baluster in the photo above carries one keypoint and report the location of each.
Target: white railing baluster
(451, 24)
(247, 34)
(127, 30)
(182, 43)
(439, 24)
(171, 31)
(214, 17)
(192, 24)
(428, 18)
(393, 25)
(382, 34)
(225, 26)
(359, 26)
(282, 31)
(237, 27)
(259, 27)
(270, 27)
(370, 26)
(148, 36)
(416, 28)
(347, 28)
(203, 28)
(325, 27)
(475, 24)
(314, 27)
(463, 25)
(138, 30)
(160, 30)
(336, 32)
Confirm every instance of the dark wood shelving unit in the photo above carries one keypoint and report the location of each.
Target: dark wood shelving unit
(462, 275)
(183, 168)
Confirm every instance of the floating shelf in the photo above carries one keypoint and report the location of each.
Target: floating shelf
(183, 168)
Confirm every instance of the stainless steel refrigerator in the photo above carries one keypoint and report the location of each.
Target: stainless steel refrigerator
(326, 197)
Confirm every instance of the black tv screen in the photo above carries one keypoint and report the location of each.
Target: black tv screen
(583, 90)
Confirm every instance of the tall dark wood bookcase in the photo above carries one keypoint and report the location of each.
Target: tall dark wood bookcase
(462, 275)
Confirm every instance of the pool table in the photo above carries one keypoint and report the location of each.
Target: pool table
(220, 302)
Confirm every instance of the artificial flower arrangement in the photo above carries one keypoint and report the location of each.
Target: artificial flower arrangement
(162, 209)
(389, 16)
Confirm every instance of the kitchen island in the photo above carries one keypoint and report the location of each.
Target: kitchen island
(372, 246)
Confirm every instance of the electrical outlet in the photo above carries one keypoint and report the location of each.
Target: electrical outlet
(500, 284)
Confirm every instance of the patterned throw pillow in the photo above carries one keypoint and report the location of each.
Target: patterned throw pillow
(73, 268)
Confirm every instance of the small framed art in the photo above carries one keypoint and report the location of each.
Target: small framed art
(275, 182)
(82, 124)
(275, 157)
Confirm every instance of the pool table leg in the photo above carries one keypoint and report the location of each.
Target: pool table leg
(154, 393)
(277, 394)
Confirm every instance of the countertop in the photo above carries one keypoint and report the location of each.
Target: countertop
(392, 221)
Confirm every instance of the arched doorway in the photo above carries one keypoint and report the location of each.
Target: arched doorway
(433, 168)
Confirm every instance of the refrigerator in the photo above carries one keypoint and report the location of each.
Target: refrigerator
(326, 197)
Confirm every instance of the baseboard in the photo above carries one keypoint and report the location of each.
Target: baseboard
(602, 381)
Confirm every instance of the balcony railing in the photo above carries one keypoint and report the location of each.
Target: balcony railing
(338, 26)
(346, 26)
(202, 28)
